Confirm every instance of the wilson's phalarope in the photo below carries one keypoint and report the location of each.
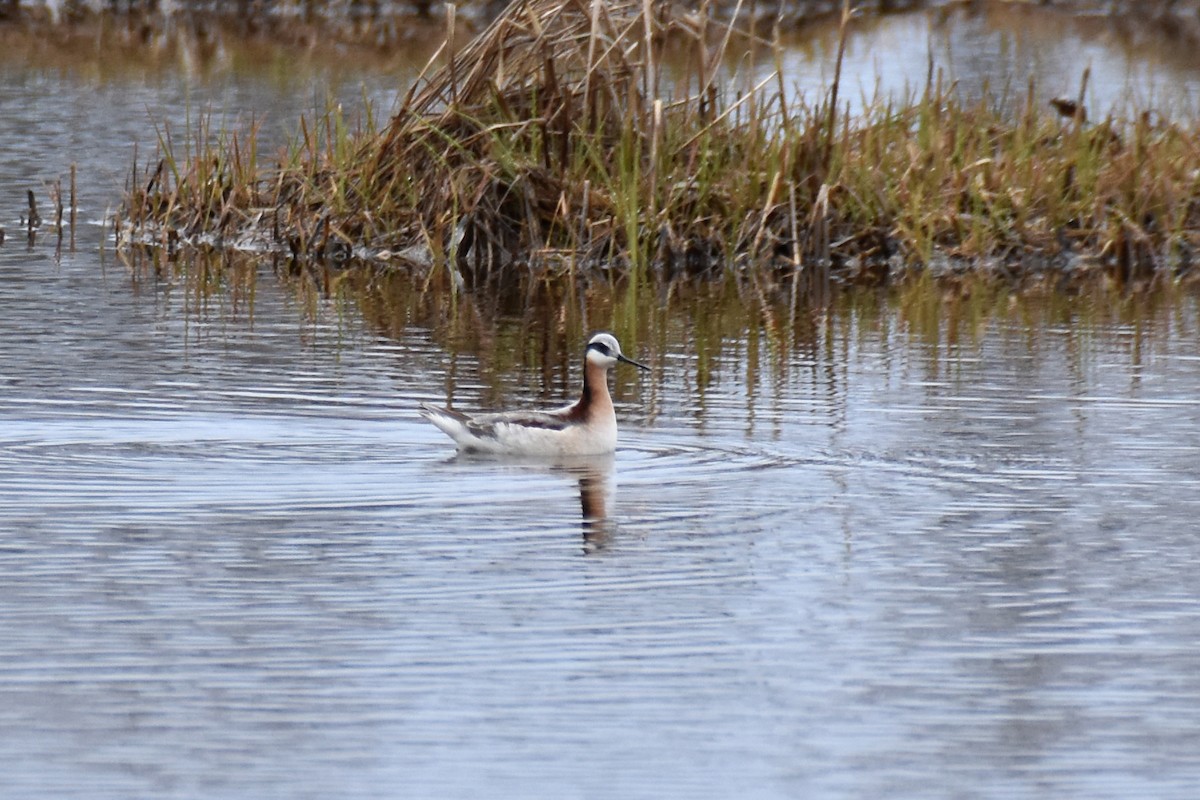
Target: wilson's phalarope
(586, 427)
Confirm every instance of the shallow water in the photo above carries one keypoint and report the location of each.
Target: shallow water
(998, 50)
(905, 548)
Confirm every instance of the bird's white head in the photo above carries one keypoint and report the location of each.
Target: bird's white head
(603, 350)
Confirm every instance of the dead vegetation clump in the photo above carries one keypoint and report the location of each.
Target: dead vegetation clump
(559, 139)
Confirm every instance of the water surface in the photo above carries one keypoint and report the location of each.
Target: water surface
(998, 50)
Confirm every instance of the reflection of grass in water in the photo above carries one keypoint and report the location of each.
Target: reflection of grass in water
(723, 328)
(548, 149)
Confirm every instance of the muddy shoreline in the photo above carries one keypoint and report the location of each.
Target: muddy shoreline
(384, 24)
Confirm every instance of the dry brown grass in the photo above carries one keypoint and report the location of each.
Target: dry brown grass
(580, 138)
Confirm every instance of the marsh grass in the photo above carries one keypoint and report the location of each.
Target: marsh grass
(582, 140)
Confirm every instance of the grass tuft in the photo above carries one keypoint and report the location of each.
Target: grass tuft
(583, 139)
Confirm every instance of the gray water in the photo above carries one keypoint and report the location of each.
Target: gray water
(1000, 50)
(883, 554)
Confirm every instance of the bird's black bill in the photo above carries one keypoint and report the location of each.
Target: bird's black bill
(637, 364)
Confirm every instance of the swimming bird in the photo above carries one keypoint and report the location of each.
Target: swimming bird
(586, 427)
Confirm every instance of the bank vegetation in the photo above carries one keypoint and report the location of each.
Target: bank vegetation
(580, 139)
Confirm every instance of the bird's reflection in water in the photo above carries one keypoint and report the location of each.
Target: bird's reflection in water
(595, 476)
